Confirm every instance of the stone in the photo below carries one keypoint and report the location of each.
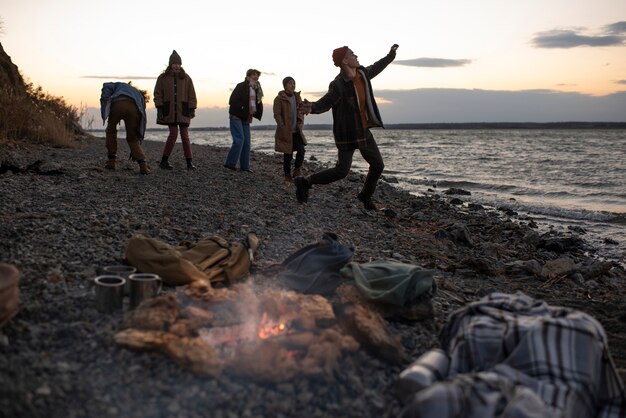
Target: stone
(560, 267)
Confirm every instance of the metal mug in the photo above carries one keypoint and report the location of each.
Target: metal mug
(109, 290)
(121, 270)
(143, 286)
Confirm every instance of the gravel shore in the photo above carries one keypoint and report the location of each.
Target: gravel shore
(63, 217)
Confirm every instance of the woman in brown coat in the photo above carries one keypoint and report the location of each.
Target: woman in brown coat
(289, 123)
(175, 100)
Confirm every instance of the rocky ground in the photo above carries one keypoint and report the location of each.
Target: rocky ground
(63, 217)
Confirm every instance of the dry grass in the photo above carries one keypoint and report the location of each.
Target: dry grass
(37, 116)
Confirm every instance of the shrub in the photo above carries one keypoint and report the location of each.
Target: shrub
(37, 116)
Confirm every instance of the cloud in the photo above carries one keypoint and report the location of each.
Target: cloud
(433, 62)
(617, 27)
(620, 81)
(382, 100)
(434, 105)
(430, 105)
(571, 38)
(117, 77)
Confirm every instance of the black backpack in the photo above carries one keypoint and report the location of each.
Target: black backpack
(314, 269)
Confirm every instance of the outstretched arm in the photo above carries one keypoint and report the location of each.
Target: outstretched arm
(326, 102)
(376, 68)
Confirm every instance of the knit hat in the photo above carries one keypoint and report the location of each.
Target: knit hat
(339, 54)
(287, 80)
(175, 58)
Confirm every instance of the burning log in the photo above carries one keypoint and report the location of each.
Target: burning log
(191, 353)
(369, 329)
(154, 314)
(282, 358)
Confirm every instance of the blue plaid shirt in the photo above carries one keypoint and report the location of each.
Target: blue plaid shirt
(514, 356)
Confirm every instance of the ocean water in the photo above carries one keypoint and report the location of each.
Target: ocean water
(564, 179)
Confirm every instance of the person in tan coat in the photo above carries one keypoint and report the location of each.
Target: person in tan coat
(175, 100)
(289, 122)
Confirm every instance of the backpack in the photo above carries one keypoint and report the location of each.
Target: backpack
(212, 259)
(315, 267)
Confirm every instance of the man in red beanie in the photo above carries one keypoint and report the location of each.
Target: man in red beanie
(351, 99)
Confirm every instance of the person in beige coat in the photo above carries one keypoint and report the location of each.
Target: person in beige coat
(289, 122)
(175, 100)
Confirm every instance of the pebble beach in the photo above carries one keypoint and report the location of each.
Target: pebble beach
(63, 217)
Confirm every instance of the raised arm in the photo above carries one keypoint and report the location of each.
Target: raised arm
(376, 68)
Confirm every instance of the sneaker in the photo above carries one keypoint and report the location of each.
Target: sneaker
(165, 165)
(110, 165)
(247, 170)
(230, 167)
(190, 166)
(302, 189)
(367, 201)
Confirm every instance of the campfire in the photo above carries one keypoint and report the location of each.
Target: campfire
(271, 336)
(269, 328)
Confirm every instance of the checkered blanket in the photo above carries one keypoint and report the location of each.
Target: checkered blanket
(514, 356)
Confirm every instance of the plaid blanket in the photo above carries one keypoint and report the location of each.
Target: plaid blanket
(514, 356)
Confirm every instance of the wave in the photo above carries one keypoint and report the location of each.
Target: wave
(535, 208)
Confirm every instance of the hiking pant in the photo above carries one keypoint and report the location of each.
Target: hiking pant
(171, 140)
(298, 146)
(126, 110)
(370, 153)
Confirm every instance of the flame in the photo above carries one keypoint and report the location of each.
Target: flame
(269, 328)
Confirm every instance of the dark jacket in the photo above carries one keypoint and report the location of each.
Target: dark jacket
(239, 102)
(348, 128)
(113, 90)
(174, 98)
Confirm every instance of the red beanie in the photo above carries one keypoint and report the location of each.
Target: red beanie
(339, 54)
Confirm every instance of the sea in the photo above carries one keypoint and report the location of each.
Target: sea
(569, 180)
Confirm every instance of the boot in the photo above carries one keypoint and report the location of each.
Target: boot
(164, 164)
(297, 172)
(302, 189)
(288, 178)
(143, 167)
(110, 164)
(367, 201)
(190, 165)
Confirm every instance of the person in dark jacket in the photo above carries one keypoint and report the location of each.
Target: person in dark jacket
(245, 103)
(351, 99)
(289, 122)
(175, 100)
(123, 102)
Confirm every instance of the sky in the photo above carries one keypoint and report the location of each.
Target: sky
(458, 60)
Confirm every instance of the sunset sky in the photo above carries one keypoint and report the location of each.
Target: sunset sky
(459, 60)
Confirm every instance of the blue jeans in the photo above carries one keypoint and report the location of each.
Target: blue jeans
(240, 149)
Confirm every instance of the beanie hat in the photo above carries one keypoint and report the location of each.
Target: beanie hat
(287, 80)
(175, 58)
(339, 54)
